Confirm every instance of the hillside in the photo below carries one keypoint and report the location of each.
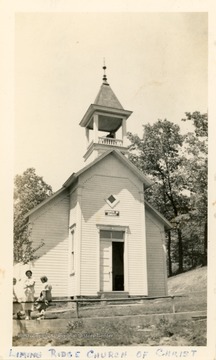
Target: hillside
(191, 281)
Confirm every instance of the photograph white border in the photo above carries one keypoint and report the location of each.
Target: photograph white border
(7, 12)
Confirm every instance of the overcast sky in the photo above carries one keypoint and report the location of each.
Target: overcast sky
(156, 66)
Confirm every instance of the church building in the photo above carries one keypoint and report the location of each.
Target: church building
(101, 237)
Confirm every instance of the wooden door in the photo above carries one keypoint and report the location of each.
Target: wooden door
(106, 265)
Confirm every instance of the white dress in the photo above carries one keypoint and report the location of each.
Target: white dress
(29, 291)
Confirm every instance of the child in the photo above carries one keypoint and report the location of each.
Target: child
(44, 299)
(17, 307)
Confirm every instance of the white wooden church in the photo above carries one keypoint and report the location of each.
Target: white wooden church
(101, 238)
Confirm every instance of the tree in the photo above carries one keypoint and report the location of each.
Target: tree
(29, 191)
(177, 165)
(158, 154)
(157, 197)
(196, 172)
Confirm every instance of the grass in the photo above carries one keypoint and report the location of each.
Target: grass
(117, 330)
(194, 301)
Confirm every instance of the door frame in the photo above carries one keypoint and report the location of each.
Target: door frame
(125, 229)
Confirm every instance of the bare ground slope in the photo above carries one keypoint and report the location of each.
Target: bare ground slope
(190, 281)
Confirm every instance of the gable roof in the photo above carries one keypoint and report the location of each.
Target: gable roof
(44, 202)
(158, 215)
(121, 157)
(72, 179)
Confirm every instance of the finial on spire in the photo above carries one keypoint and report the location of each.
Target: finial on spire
(104, 76)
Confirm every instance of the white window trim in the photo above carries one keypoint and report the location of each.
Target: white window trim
(72, 249)
(126, 230)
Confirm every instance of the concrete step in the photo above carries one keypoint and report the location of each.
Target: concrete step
(114, 294)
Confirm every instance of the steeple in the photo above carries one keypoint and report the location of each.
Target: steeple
(104, 76)
(106, 97)
(106, 118)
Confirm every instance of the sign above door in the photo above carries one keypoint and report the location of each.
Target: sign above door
(112, 213)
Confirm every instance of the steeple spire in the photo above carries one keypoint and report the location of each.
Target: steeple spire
(105, 123)
(104, 76)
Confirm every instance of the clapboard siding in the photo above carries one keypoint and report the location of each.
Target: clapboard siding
(72, 278)
(98, 183)
(82, 209)
(156, 261)
(50, 223)
(73, 207)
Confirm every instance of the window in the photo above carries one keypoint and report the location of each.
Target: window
(112, 234)
(112, 201)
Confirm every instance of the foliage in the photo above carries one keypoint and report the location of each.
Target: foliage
(196, 180)
(29, 191)
(177, 165)
(159, 155)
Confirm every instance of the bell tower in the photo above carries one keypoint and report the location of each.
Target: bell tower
(105, 123)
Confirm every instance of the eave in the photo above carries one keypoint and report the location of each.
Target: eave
(160, 217)
(104, 110)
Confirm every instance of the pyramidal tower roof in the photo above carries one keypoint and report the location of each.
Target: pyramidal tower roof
(106, 96)
(105, 102)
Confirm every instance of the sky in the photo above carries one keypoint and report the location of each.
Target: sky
(156, 66)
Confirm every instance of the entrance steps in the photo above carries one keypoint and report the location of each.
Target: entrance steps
(114, 294)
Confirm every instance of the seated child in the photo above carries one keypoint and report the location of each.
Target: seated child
(44, 299)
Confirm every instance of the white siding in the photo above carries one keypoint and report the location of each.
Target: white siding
(156, 260)
(72, 278)
(50, 224)
(98, 183)
(84, 210)
(73, 207)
